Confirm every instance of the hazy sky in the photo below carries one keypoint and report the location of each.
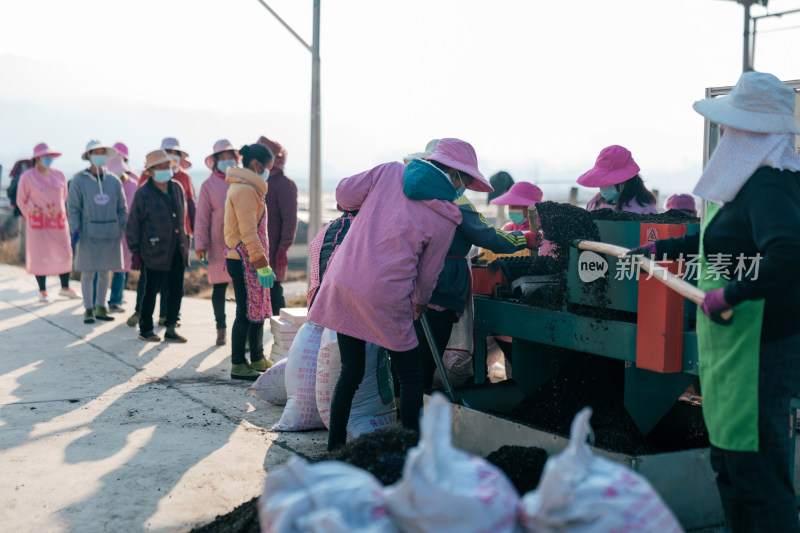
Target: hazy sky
(537, 87)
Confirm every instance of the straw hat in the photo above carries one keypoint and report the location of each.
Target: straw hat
(429, 148)
(41, 150)
(460, 155)
(157, 157)
(759, 102)
(521, 193)
(614, 165)
(222, 145)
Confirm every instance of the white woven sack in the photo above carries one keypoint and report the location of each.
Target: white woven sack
(271, 385)
(300, 413)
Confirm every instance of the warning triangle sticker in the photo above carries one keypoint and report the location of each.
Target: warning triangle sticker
(652, 235)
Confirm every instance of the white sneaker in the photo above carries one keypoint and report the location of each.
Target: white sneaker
(43, 297)
(69, 294)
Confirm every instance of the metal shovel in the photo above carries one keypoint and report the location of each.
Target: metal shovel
(437, 357)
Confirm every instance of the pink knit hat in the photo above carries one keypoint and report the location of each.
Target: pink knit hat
(614, 165)
(41, 150)
(222, 145)
(684, 202)
(460, 155)
(521, 193)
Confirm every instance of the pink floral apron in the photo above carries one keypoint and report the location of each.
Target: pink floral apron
(259, 305)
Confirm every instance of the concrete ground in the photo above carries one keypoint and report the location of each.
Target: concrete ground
(100, 431)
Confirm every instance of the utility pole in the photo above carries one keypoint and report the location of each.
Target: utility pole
(747, 64)
(315, 172)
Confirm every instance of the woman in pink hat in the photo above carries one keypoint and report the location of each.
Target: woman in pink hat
(384, 273)
(451, 296)
(209, 225)
(42, 198)
(681, 202)
(621, 188)
(518, 198)
(281, 220)
(130, 182)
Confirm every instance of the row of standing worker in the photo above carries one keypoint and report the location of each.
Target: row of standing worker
(114, 221)
(409, 230)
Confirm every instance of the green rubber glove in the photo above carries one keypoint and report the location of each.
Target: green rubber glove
(266, 277)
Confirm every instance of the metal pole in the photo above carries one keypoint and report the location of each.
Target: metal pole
(283, 22)
(746, 64)
(315, 174)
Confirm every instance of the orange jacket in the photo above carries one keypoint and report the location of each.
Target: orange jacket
(244, 207)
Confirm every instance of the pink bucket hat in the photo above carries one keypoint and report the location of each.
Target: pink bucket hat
(121, 149)
(222, 145)
(614, 165)
(684, 202)
(460, 155)
(41, 150)
(521, 193)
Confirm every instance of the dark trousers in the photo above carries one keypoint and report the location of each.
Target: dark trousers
(153, 280)
(276, 295)
(42, 281)
(441, 326)
(218, 303)
(163, 304)
(163, 290)
(354, 354)
(756, 487)
(242, 327)
(140, 291)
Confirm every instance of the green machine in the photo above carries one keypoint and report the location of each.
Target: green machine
(611, 327)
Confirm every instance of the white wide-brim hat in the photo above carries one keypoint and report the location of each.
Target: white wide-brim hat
(95, 144)
(759, 102)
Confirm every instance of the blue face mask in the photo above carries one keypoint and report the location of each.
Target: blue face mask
(223, 165)
(516, 217)
(98, 160)
(460, 190)
(610, 193)
(47, 161)
(162, 176)
(265, 175)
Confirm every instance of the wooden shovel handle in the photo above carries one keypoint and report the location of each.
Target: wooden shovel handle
(687, 290)
(533, 218)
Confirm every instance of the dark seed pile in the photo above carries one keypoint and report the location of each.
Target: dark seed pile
(522, 465)
(382, 453)
(673, 216)
(243, 519)
(598, 382)
(562, 224)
